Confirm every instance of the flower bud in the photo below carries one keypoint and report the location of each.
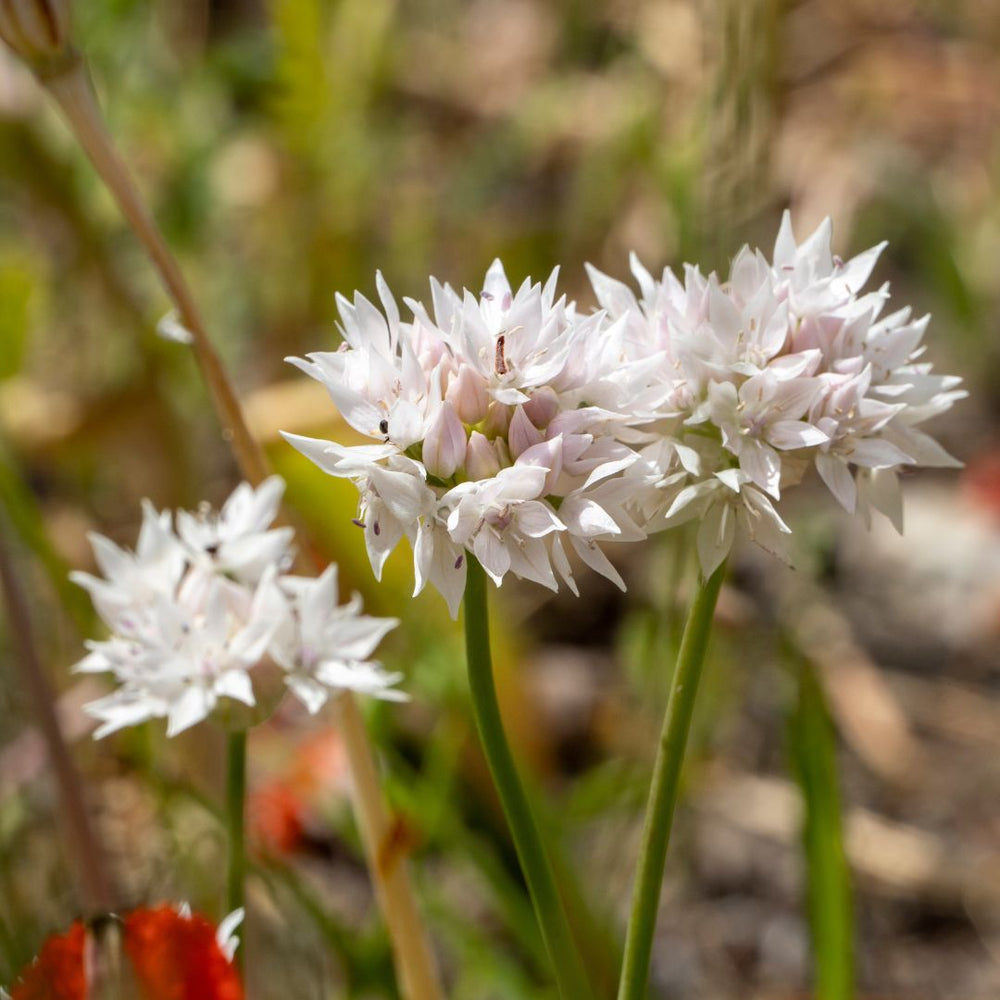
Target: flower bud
(542, 407)
(480, 458)
(39, 32)
(444, 443)
(497, 419)
(467, 393)
(522, 433)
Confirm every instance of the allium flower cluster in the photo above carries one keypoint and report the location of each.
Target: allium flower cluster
(203, 602)
(496, 422)
(785, 366)
(510, 425)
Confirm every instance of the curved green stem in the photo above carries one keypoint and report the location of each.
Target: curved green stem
(572, 981)
(236, 785)
(663, 790)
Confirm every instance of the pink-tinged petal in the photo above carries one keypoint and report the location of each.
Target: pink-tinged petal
(363, 415)
(592, 555)
(443, 563)
(531, 562)
(727, 323)
(856, 272)
(542, 407)
(587, 518)
(405, 424)
(883, 492)
(816, 249)
(763, 465)
(193, 705)
(391, 309)
(356, 637)
(492, 554)
(522, 434)
(444, 445)
(790, 434)
(876, 453)
(235, 684)
(523, 481)
(685, 505)
(310, 692)
(467, 394)
(561, 564)
(784, 245)
(317, 451)
(614, 296)
(792, 397)
(382, 535)
(405, 495)
(645, 279)
(922, 448)
(496, 287)
(794, 365)
(480, 458)
(732, 479)
(535, 519)
(838, 479)
(113, 561)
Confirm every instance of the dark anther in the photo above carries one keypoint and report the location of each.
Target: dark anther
(459, 561)
(383, 426)
(500, 362)
(376, 528)
(212, 549)
(358, 522)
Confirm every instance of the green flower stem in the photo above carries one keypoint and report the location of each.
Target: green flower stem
(572, 981)
(236, 787)
(663, 790)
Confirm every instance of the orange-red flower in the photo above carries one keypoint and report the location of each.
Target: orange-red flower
(172, 955)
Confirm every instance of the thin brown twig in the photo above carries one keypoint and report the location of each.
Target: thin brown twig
(72, 92)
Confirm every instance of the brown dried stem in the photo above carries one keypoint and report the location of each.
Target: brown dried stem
(75, 97)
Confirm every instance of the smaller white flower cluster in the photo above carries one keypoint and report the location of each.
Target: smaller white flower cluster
(202, 602)
(507, 423)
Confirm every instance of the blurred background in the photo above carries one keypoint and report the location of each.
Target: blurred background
(290, 148)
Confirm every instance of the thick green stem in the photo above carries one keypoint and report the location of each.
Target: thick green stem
(663, 790)
(236, 787)
(572, 981)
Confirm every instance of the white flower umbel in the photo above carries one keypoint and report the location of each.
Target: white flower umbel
(783, 366)
(486, 416)
(193, 613)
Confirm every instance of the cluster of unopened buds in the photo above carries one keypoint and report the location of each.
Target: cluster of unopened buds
(203, 608)
(513, 426)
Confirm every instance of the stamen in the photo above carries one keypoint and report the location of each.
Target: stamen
(358, 522)
(459, 561)
(500, 362)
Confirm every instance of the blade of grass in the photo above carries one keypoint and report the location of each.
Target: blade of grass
(812, 743)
